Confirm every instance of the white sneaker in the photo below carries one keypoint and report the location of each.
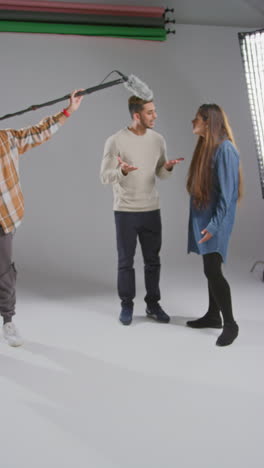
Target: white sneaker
(11, 334)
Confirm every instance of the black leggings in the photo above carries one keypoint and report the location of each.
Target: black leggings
(218, 288)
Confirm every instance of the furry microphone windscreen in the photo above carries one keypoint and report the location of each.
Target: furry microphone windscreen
(138, 88)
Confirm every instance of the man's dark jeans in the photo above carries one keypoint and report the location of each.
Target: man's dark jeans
(146, 226)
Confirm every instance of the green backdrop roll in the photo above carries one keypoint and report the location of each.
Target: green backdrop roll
(153, 34)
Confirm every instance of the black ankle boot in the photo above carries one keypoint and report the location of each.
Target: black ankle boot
(228, 335)
(207, 321)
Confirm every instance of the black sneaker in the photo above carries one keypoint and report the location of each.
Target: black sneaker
(126, 315)
(155, 311)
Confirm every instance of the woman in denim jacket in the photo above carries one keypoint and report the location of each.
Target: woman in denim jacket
(215, 184)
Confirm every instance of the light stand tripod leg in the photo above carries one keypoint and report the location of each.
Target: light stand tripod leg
(255, 264)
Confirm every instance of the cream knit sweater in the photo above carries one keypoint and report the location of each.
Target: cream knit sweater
(136, 191)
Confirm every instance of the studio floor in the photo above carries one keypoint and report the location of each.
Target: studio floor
(85, 391)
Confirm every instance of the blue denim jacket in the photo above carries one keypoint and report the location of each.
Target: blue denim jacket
(219, 216)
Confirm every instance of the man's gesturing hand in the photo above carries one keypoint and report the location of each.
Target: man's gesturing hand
(126, 168)
(169, 164)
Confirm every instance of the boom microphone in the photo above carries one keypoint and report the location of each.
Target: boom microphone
(132, 83)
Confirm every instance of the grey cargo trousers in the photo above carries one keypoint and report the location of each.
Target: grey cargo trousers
(7, 277)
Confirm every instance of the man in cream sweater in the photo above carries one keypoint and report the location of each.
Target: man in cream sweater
(133, 157)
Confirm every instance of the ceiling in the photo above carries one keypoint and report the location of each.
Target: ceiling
(238, 13)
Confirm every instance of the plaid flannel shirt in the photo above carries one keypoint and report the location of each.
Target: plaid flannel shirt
(12, 144)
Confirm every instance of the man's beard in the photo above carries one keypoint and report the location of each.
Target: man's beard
(146, 126)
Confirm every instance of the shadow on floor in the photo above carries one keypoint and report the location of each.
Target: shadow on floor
(60, 286)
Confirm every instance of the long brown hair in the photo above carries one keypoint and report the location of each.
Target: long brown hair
(200, 175)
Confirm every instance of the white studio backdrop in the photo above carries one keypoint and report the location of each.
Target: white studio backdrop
(68, 230)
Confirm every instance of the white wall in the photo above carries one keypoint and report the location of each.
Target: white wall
(68, 228)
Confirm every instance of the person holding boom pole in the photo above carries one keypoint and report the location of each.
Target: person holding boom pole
(13, 143)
